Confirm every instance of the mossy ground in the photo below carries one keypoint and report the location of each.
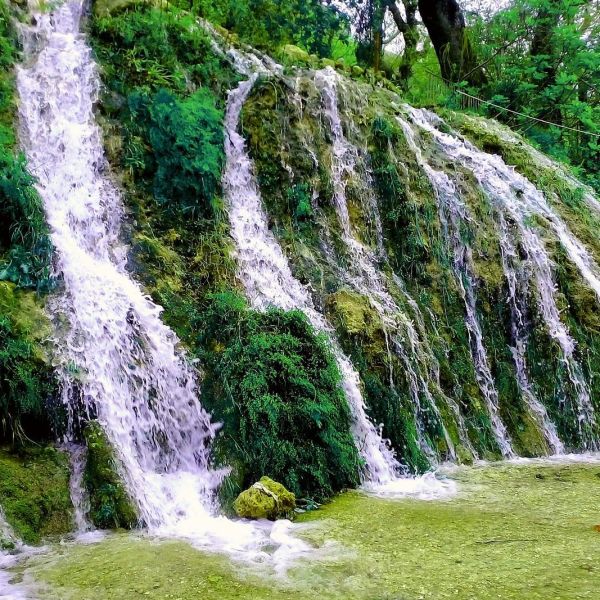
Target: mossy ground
(514, 532)
(34, 492)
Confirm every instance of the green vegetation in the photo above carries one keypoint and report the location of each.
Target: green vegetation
(511, 533)
(110, 506)
(25, 247)
(27, 384)
(34, 492)
(317, 27)
(268, 377)
(276, 387)
(548, 68)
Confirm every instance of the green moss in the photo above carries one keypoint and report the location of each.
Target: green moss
(265, 499)
(110, 505)
(34, 492)
(27, 384)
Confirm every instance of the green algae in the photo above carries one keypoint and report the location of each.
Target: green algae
(513, 532)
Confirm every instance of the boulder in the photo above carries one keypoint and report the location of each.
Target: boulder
(266, 499)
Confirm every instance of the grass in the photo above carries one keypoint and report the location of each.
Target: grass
(514, 532)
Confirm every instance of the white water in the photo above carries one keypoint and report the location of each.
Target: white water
(8, 559)
(520, 200)
(453, 213)
(518, 280)
(366, 279)
(132, 374)
(79, 495)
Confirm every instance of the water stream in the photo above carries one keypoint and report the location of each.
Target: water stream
(519, 200)
(453, 215)
(267, 277)
(367, 279)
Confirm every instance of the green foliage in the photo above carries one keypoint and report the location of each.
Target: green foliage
(147, 48)
(277, 389)
(314, 25)
(299, 197)
(543, 60)
(110, 506)
(25, 247)
(187, 142)
(27, 384)
(34, 492)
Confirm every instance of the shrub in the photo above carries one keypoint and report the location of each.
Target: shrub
(275, 385)
(187, 141)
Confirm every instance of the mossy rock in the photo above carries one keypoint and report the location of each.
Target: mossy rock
(354, 313)
(293, 55)
(26, 312)
(110, 505)
(266, 499)
(34, 493)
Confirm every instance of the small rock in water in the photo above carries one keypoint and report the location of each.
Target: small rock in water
(597, 528)
(266, 499)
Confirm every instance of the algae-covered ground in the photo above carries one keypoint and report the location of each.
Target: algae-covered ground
(514, 531)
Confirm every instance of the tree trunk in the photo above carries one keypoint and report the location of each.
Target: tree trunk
(410, 33)
(445, 24)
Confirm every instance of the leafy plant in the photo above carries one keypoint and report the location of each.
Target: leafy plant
(275, 385)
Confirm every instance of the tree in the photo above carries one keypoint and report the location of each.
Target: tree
(446, 27)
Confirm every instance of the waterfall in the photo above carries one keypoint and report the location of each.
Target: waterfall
(366, 279)
(517, 289)
(129, 371)
(453, 214)
(519, 200)
(268, 280)
(79, 496)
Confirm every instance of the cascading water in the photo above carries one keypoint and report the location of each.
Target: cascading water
(79, 495)
(519, 200)
(266, 275)
(517, 280)
(366, 278)
(132, 375)
(452, 214)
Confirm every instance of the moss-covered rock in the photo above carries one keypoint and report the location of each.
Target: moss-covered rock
(34, 493)
(266, 499)
(293, 55)
(110, 505)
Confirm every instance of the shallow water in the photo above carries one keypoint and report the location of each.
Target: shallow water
(513, 531)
